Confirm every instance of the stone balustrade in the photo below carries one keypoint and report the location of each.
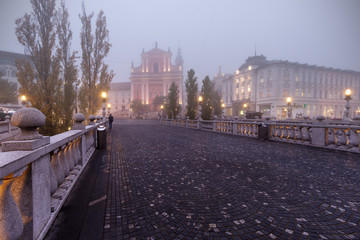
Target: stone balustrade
(7, 131)
(37, 178)
(341, 135)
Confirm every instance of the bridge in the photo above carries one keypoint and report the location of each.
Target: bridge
(175, 181)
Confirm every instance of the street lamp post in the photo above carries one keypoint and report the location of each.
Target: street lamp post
(347, 104)
(162, 111)
(288, 100)
(23, 100)
(109, 107)
(245, 107)
(103, 95)
(223, 110)
(200, 108)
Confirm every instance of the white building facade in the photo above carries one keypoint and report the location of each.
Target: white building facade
(265, 85)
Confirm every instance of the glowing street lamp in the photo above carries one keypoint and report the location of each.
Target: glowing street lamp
(109, 107)
(223, 109)
(347, 104)
(23, 100)
(288, 100)
(245, 107)
(103, 96)
(162, 111)
(200, 109)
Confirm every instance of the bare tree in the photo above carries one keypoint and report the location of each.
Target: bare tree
(39, 79)
(68, 64)
(96, 76)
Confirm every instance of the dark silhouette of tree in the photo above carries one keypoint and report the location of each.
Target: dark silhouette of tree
(39, 79)
(96, 76)
(207, 92)
(173, 107)
(138, 108)
(69, 69)
(158, 101)
(191, 86)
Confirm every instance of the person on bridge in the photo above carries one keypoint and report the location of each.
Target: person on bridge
(111, 119)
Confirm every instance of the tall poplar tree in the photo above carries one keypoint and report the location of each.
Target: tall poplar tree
(173, 107)
(68, 64)
(96, 76)
(191, 86)
(207, 91)
(39, 79)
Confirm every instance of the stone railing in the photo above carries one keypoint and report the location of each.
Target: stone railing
(334, 135)
(37, 174)
(341, 135)
(7, 130)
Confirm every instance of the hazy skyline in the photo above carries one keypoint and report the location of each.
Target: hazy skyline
(213, 33)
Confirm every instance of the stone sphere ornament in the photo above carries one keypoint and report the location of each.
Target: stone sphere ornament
(28, 120)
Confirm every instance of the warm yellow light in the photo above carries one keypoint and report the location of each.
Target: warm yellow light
(288, 99)
(103, 94)
(109, 105)
(223, 105)
(245, 105)
(200, 98)
(347, 92)
(250, 67)
(162, 106)
(237, 71)
(23, 98)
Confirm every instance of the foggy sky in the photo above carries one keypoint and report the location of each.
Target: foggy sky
(211, 33)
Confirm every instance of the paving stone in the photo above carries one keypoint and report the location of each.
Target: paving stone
(174, 183)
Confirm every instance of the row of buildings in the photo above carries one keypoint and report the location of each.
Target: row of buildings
(263, 85)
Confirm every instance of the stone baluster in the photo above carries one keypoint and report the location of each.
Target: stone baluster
(11, 223)
(57, 168)
(341, 137)
(285, 132)
(331, 136)
(278, 131)
(291, 131)
(69, 157)
(255, 129)
(64, 162)
(73, 153)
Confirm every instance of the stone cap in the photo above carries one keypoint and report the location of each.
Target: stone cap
(78, 119)
(28, 119)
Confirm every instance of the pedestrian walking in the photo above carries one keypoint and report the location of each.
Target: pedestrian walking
(111, 119)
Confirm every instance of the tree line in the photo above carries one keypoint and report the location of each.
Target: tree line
(50, 80)
(210, 104)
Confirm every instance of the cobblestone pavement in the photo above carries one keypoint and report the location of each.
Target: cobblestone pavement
(174, 183)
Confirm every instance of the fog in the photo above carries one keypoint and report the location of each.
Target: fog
(213, 33)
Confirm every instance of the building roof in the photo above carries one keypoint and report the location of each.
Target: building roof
(261, 61)
(120, 86)
(8, 58)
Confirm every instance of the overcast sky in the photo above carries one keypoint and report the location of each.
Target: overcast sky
(211, 33)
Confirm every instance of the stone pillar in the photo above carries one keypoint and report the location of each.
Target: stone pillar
(78, 119)
(7, 119)
(30, 187)
(91, 120)
(318, 133)
(28, 120)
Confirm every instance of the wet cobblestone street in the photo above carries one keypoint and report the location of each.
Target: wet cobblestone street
(169, 182)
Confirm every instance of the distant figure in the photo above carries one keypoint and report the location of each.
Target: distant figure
(111, 119)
